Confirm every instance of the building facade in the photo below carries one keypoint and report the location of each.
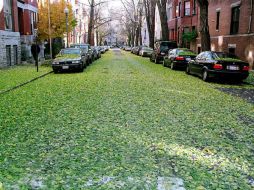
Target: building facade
(231, 26)
(27, 19)
(182, 19)
(10, 46)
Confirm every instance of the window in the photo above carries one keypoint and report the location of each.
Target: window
(235, 20)
(8, 14)
(217, 20)
(8, 55)
(179, 11)
(187, 8)
(194, 7)
(231, 50)
(169, 12)
(15, 54)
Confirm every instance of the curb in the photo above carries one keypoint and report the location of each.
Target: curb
(23, 84)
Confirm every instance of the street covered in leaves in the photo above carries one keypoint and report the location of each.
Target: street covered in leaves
(125, 123)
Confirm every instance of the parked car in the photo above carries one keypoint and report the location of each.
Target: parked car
(127, 48)
(178, 58)
(135, 49)
(210, 64)
(145, 51)
(96, 53)
(87, 49)
(161, 49)
(70, 59)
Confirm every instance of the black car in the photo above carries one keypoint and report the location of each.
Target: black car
(161, 49)
(210, 64)
(87, 49)
(178, 58)
(96, 53)
(70, 59)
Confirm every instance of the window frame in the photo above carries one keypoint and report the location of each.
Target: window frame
(185, 9)
(234, 24)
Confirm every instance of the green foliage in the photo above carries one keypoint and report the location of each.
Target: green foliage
(190, 36)
(128, 119)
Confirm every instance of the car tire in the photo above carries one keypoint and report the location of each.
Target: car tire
(156, 61)
(163, 63)
(172, 66)
(55, 71)
(187, 71)
(205, 76)
(151, 58)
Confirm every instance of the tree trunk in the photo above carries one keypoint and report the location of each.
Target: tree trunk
(150, 19)
(91, 24)
(204, 27)
(137, 36)
(163, 17)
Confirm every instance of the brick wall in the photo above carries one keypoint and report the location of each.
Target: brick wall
(221, 39)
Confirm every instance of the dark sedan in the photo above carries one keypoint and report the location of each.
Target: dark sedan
(70, 59)
(87, 50)
(178, 58)
(211, 64)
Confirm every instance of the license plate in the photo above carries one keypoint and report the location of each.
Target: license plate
(65, 67)
(233, 67)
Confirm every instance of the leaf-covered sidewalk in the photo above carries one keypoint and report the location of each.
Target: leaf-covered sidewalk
(124, 123)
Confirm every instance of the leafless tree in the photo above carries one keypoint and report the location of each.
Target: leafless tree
(162, 6)
(204, 27)
(149, 6)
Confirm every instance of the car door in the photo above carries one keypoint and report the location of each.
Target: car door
(195, 65)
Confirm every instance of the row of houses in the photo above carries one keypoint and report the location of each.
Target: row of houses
(231, 25)
(18, 19)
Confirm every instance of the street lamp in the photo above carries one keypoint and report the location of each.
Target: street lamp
(66, 11)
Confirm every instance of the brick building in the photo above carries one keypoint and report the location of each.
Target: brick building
(231, 26)
(17, 22)
(182, 18)
(27, 19)
(9, 33)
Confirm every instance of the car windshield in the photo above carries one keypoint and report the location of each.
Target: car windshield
(80, 46)
(70, 51)
(219, 55)
(168, 45)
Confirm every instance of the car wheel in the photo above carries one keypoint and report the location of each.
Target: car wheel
(205, 76)
(164, 63)
(55, 71)
(151, 59)
(187, 71)
(172, 66)
(156, 61)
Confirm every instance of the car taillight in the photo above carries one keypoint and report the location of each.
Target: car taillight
(179, 58)
(246, 68)
(217, 66)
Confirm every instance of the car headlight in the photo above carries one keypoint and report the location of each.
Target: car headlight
(77, 61)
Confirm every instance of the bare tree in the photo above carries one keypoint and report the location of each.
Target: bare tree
(149, 6)
(162, 6)
(204, 27)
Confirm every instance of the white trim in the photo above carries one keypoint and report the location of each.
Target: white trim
(4, 33)
(231, 45)
(236, 4)
(27, 7)
(233, 36)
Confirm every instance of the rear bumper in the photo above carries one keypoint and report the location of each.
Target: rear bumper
(180, 64)
(228, 74)
(67, 67)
